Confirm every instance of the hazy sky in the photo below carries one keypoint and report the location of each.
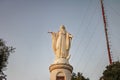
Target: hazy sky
(24, 25)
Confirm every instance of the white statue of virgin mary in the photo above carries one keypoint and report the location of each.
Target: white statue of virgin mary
(61, 42)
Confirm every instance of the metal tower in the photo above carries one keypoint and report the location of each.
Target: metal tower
(106, 32)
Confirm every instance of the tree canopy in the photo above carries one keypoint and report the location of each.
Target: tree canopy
(4, 55)
(78, 76)
(112, 72)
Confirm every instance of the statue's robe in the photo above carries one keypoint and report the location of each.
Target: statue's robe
(63, 44)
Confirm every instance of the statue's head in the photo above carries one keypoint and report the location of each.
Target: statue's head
(62, 27)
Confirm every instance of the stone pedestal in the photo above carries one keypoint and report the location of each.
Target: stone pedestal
(60, 71)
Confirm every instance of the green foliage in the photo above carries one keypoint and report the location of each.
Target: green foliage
(4, 55)
(112, 72)
(78, 76)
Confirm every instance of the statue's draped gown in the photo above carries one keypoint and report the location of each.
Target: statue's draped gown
(61, 44)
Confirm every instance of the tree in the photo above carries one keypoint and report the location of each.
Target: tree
(112, 72)
(79, 76)
(5, 52)
(74, 77)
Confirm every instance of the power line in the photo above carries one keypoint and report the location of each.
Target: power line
(89, 39)
(111, 8)
(81, 29)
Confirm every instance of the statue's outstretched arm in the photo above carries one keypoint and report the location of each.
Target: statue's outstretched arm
(53, 35)
(50, 32)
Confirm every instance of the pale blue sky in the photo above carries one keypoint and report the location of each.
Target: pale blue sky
(24, 25)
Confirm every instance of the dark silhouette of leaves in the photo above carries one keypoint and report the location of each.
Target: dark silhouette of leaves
(79, 76)
(112, 72)
(4, 55)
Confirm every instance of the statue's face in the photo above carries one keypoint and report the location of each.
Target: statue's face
(62, 27)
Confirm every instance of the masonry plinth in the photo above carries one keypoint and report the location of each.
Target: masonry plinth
(60, 71)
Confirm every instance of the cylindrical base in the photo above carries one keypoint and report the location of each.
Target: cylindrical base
(60, 71)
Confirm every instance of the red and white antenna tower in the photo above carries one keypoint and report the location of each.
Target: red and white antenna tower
(106, 32)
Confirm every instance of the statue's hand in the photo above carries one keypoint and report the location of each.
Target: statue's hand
(50, 32)
(71, 36)
(68, 57)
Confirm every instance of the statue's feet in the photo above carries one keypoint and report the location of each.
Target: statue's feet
(61, 60)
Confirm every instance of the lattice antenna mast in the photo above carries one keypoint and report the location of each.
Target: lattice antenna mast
(106, 32)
